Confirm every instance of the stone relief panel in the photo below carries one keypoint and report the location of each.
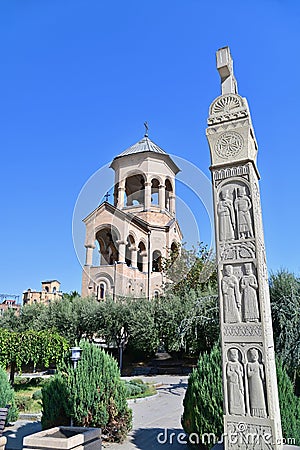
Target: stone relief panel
(230, 172)
(237, 250)
(229, 144)
(235, 214)
(249, 287)
(239, 289)
(244, 436)
(256, 383)
(231, 295)
(243, 330)
(235, 383)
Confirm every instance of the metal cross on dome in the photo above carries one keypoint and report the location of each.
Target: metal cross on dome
(146, 129)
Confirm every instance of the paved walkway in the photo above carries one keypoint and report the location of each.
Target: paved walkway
(156, 418)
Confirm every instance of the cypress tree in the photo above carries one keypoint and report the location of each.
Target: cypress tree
(7, 397)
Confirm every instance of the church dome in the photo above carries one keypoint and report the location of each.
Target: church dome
(144, 145)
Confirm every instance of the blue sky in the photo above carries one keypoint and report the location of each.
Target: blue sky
(78, 78)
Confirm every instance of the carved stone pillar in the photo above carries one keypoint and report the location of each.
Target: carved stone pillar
(89, 254)
(162, 197)
(249, 373)
(147, 195)
(122, 251)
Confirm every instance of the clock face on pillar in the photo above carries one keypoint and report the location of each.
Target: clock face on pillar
(229, 144)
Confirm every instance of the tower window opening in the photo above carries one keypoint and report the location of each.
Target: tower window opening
(154, 191)
(135, 190)
(141, 256)
(169, 191)
(102, 291)
(156, 261)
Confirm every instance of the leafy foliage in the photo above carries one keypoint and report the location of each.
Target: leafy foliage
(38, 347)
(7, 397)
(289, 405)
(203, 401)
(285, 304)
(93, 394)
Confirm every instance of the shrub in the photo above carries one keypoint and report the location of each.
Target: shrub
(55, 402)
(203, 402)
(37, 395)
(134, 388)
(92, 394)
(24, 402)
(7, 397)
(289, 405)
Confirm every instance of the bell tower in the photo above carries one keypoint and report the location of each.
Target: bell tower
(132, 236)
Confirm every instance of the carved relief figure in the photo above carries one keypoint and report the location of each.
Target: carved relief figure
(235, 383)
(231, 295)
(255, 374)
(226, 217)
(249, 288)
(243, 205)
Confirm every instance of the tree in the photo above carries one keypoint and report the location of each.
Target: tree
(190, 269)
(37, 347)
(285, 305)
(95, 395)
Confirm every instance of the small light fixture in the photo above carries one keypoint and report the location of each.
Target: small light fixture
(75, 355)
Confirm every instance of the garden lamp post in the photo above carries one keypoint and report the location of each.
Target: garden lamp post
(122, 342)
(75, 357)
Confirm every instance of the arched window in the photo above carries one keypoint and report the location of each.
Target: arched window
(156, 261)
(107, 240)
(169, 191)
(102, 291)
(156, 294)
(135, 190)
(141, 256)
(54, 290)
(130, 244)
(154, 191)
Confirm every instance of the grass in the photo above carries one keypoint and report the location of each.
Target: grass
(25, 390)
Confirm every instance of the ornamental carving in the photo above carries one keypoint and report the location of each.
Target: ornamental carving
(229, 144)
(226, 104)
(244, 436)
(237, 250)
(243, 331)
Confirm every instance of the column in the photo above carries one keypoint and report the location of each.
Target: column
(133, 250)
(147, 195)
(122, 250)
(121, 194)
(245, 313)
(172, 204)
(144, 261)
(162, 197)
(89, 254)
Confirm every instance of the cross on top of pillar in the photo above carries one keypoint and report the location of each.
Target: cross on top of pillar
(225, 69)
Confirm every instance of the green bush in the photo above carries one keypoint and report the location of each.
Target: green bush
(55, 402)
(289, 405)
(7, 397)
(24, 402)
(134, 388)
(37, 395)
(203, 402)
(92, 394)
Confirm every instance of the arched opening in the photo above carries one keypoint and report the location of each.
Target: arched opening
(154, 191)
(156, 261)
(156, 294)
(107, 239)
(169, 191)
(116, 193)
(54, 290)
(130, 245)
(102, 291)
(135, 190)
(141, 257)
(46, 288)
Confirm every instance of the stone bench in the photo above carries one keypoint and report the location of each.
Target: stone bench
(3, 416)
